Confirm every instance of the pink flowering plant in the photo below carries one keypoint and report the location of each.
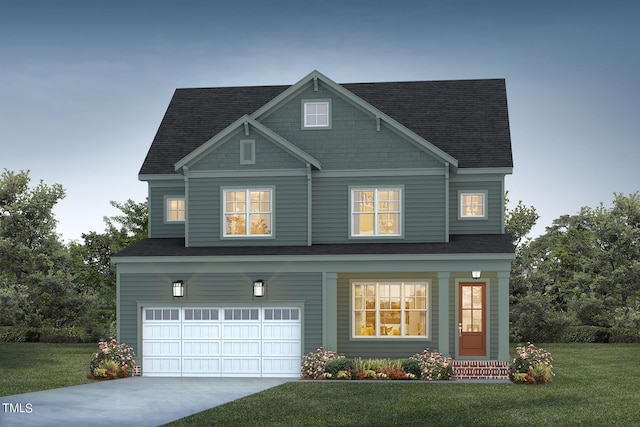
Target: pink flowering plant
(313, 363)
(434, 366)
(531, 365)
(112, 360)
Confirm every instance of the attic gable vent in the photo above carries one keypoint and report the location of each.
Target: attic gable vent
(247, 152)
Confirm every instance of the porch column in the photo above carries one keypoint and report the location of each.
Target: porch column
(330, 311)
(443, 313)
(503, 316)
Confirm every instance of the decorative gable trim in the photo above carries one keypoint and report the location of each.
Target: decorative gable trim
(245, 123)
(315, 76)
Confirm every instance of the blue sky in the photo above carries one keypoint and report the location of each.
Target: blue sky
(84, 85)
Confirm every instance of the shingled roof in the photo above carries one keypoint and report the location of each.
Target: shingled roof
(467, 119)
(458, 244)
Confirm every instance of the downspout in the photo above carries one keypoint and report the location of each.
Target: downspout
(446, 202)
(309, 207)
(185, 170)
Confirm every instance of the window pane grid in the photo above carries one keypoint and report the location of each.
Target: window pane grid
(472, 205)
(247, 213)
(376, 212)
(176, 209)
(316, 114)
(392, 309)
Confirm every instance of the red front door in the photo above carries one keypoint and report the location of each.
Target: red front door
(472, 327)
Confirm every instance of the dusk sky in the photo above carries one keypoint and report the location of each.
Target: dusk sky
(84, 85)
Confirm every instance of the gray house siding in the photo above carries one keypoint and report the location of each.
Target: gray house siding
(495, 204)
(225, 289)
(376, 348)
(289, 210)
(423, 207)
(227, 156)
(158, 191)
(352, 142)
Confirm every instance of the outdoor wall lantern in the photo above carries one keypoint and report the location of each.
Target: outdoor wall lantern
(178, 288)
(258, 288)
(476, 274)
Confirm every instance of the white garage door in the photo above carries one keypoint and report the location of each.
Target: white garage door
(228, 342)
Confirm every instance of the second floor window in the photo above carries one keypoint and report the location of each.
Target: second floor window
(375, 212)
(316, 114)
(176, 209)
(472, 205)
(247, 212)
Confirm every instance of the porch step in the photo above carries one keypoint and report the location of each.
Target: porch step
(481, 370)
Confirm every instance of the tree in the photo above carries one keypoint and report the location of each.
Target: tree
(92, 266)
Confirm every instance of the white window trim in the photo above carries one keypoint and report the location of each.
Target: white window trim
(247, 145)
(462, 193)
(168, 199)
(305, 103)
(376, 233)
(402, 335)
(223, 221)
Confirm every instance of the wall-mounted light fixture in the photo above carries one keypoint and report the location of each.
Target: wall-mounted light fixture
(476, 274)
(258, 288)
(178, 288)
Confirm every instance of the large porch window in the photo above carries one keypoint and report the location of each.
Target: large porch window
(390, 309)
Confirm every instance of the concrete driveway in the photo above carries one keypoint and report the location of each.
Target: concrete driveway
(137, 401)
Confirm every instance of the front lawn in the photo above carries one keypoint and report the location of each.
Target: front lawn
(27, 367)
(595, 385)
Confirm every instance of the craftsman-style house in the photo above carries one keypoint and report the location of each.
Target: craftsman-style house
(367, 218)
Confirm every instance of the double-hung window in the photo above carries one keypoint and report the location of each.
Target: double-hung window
(248, 212)
(473, 205)
(376, 211)
(175, 209)
(390, 309)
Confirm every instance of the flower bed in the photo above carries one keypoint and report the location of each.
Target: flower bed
(531, 365)
(327, 364)
(112, 360)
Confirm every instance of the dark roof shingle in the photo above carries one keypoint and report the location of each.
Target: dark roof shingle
(458, 244)
(467, 119)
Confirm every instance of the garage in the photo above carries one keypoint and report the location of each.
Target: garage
(221, 341)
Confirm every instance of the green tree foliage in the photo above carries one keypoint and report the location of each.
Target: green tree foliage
(36, 287)
(585, 270)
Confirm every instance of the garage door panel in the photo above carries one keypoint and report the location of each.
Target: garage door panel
(161, 348)
(275, 331)
(240, 366)
(152, 331)
(161, 366)
(240, 348)
(289, 367)
(201, 365)
(280, 348)
(240, 331)
(201, 331)
(201, 348)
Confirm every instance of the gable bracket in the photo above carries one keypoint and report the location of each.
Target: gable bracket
(378, 123)
(246, 128)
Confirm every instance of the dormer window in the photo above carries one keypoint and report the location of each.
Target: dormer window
(316, 114)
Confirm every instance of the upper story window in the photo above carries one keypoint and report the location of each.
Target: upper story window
(247, 212)
(316, 114)
(390, 309)
(175, 209)
(375, 211)
(473, 205)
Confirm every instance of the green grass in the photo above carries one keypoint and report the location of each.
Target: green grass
(27, 367)
(595, 385)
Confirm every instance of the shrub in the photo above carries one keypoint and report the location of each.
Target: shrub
(341, 364)
(531, 365)
(586, 334)
(624, 338)
(112, 357)
(434, 366)
(313, 363)
(411, 366)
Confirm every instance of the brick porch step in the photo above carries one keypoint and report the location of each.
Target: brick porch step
(481, 370)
